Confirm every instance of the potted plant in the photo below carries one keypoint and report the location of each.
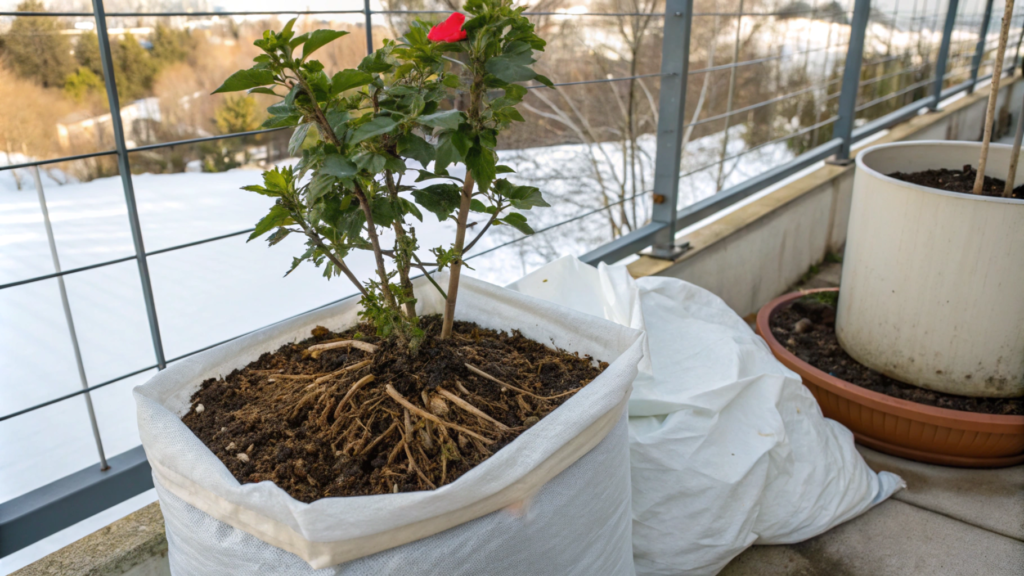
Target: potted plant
(393, 429)
(929, 308)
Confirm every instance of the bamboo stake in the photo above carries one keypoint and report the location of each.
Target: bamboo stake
(990, 112)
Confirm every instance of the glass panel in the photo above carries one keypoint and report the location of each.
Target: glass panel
(192, 192)
(43, 446)
(115, 413)
(51, 68)
(88, 217)
(167, 67)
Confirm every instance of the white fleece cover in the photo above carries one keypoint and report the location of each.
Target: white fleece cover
(727, 447)
(567, 501)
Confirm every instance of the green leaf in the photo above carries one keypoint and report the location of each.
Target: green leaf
(462, 143)
(340, 167)
(318, 39)
(376, 63)
(412, 146)
(410, 208)
(372, 163)
(481, 164)
(544, 80)
(278, 235)
(451, 80)
(246, 79)
(276, 180)
(337, 119)
(447, 120)
(502, 169)
(526, 197)
(349, 79)
(320, 185)
(517, 221)
(512, 67)
(263, 90)
(477, 206)
(298, 137)
(441, 199)
(278, 216)
(261, 190)
(376, 127)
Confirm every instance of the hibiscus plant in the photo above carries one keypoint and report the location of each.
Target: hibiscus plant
(437, 96)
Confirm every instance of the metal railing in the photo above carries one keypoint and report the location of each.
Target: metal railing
(841, 118)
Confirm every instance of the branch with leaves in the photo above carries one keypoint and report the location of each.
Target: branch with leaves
(357, 131)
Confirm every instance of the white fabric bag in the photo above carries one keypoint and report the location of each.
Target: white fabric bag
(564, 482)
(727, 447)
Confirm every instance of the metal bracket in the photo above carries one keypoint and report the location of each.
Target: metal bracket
(672, 252)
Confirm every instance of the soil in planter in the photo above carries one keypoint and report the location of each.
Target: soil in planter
(349, 415)
(807, 329)
(961, 181)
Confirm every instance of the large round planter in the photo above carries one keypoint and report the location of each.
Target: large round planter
(933, 281)
(899, 427)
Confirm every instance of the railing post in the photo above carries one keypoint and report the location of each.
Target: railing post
(368, 15)
(126, 179)
(979, 50)
(675, 66)
(851, 81)
(943, 58)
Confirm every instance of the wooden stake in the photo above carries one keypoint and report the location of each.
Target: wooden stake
(990, 112)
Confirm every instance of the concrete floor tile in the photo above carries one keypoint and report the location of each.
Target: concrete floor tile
(989, 499)
(893, 539)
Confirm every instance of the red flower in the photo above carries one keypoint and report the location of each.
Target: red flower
(448, 31)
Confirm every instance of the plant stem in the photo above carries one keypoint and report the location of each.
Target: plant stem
(371, 231)
(403, 264)
(990, 112)
(339, 263)
(456, 267)
(473, 115)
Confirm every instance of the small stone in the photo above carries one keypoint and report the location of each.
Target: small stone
(438, 406)
(791, 342)
(803, 326)
(223, 428)
(231, 446)
(200, 408)
(394, 488)
(249, 449)
(531, 421)
(243, 457)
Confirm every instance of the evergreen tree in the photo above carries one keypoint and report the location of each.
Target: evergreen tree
(87, 53)
(171, 45)
(36, 49)
(134, 69)
(238, 114)
(82, 83)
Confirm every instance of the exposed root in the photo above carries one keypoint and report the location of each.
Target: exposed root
(471, 409)
(316, 349)
(424, 414)
(483, 374)
(352, 368)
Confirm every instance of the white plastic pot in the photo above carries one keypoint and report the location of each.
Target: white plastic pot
(932, 292)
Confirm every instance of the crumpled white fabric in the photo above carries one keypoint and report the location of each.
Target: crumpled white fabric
(727, 447)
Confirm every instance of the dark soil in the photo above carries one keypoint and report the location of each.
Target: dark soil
(408, 423)
(815, 343)
(961, 181)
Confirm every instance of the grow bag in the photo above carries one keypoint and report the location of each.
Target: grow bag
(549, 502)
